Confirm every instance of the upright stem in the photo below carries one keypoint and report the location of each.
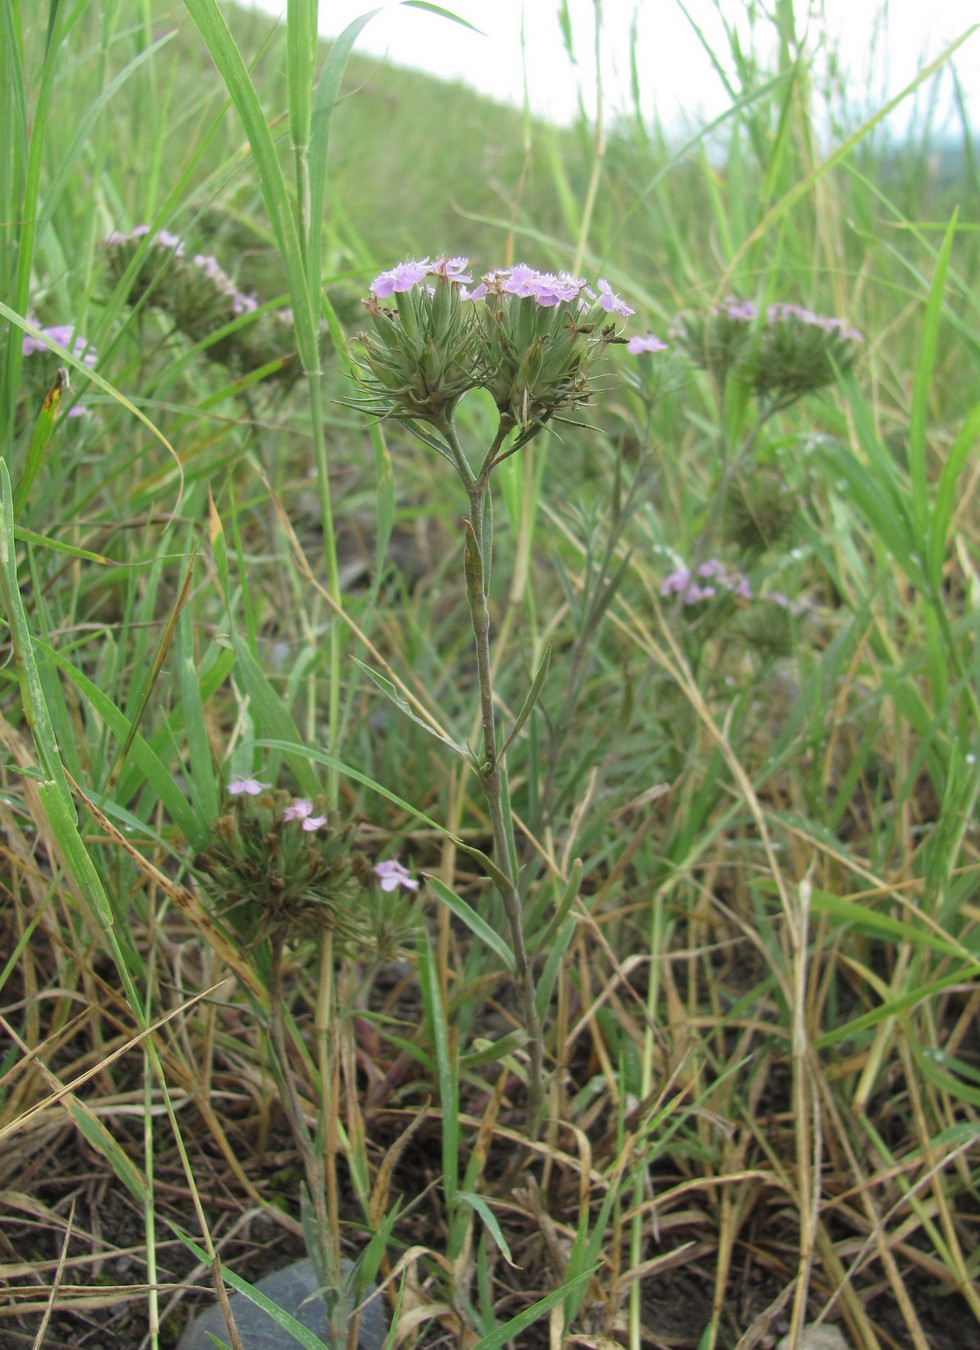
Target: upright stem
(314, 1165)
(476, 551)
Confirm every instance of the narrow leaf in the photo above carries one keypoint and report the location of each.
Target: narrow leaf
(532, 698)
(152, 768)
(499, 1338)
(477, 925)
(76, 856)
(928, 344)
(390, 692)
(273, 717)
(478, 1203)
(942, 512)
(160, 656)
(31, 692)
(40, 438)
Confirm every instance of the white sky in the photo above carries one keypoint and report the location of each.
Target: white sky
(887, 41)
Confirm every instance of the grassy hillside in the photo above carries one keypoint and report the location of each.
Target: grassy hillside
(489, 782)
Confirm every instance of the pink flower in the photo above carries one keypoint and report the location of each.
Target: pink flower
(392, 874)
(676, 583)
(64, 335)
(163, 239)
(450, 269)
(742, 310)
(521, 281)
(648, 343)
(611, 302)
(551, 290)
(302, 810)
(251, 787)
(400, 278)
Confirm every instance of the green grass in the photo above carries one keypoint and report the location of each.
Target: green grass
(745, 829)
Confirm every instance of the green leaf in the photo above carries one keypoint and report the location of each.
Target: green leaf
(883, 926)
(40, 438)
(154, 771)
(538, 944)
(447, 1068)
(920, 994)
(477, 925)
(324, 102)
(532, 697)
(98, 1136)
(213, 28)
(390, 692)
(928, 343)
(219, 551)
(490, 1221)
(947, 1074)
(61, 818)
(499, 1338)
(946, 499)
(282, 1319)
(272, 716)
(202, 779)
(31, 691)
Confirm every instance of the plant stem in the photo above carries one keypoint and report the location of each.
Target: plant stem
(477, 551)
(314, 1166)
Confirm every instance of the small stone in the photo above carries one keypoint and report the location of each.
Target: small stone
(817, 1338)
(289, 1289)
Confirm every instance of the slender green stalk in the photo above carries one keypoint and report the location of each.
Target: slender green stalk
(322, 1195)
(477, 553)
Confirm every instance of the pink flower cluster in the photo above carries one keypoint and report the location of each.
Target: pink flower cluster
(828, 322)
(744, 311)
(165, 242)
(714, 578)
(407, 275)
(547, 289)
(163, 239)
(65, 336)
(301, 809)
(391, 874)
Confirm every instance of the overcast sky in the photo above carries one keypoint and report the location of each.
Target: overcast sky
(885, 44)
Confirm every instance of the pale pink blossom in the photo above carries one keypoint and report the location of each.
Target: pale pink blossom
(392, 874)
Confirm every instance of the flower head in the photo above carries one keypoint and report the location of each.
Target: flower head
(611, 302)
(450, 269)
(801, 351)
(249, 787)
(399, 279)
(528, 337)
(519, 280)
(649, 342)
(266, 877)
(720, 578)
(202, 300)
(785, 352)
(65, 336)
(302, 810)
(392, 874)
(162, 239)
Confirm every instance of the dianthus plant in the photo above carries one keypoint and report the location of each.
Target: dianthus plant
(530, 339)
